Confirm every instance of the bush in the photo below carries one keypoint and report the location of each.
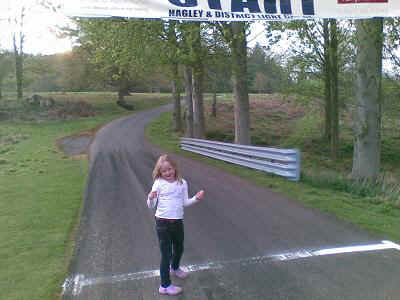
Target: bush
(220, 136)
(383, 190)
(74, 109)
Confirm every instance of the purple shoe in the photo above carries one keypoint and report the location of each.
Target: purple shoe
(171, 290)
(179, 273)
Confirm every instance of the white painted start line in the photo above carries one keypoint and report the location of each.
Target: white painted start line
(74, 285)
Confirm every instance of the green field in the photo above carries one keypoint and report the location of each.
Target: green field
(42, 190)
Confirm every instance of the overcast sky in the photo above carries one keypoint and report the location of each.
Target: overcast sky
(40, 26)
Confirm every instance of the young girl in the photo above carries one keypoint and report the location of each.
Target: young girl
(169, 195)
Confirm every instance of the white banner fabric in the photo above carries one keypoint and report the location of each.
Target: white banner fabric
(231, 10)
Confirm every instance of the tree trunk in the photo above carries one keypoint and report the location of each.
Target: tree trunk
(367, 119)
(198, 109)
(123, 90)
(19, 66)
(214, 99)
(327, 87)
(214, 105)
(177, 106)
(177, 98)
(19, 75)
(239, 81)
(334, 73)
(121, 95)
(1, 92)
(188, 101)
(197, 81)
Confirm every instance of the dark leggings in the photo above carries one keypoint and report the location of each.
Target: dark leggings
(170, 237)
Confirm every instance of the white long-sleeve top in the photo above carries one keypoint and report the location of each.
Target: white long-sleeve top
(172, 197)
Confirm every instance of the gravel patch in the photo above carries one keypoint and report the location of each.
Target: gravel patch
(75, 145)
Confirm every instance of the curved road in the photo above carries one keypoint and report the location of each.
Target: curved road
(241, 241)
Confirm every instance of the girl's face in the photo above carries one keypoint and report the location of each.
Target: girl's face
(167, 172)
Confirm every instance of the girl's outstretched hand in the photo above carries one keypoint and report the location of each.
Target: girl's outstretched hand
(152, 195)
(200, 195)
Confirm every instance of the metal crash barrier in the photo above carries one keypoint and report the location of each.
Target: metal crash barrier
(282, 162)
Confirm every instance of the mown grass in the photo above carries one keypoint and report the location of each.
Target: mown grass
(322, 186)
(41, 195)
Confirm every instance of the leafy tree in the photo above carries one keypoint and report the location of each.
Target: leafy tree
(167, 37)
(188, 49)
(18, 37)
(331, 82)
(265, 74)
(76, 72)
(217, 64)
(322, 47)
(238, 44)
(392, 43)
(183, 44)
(173, 58)
(17, 21)
(41, 72)
(197, 53)
(68, 71)
(117, 51)
(236, 37)
(186, 60)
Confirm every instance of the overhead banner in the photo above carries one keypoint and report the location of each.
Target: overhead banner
(232, 10)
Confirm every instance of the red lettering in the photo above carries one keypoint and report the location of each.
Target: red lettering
(362, 1)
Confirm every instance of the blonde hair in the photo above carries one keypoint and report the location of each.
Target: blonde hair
(157, 168)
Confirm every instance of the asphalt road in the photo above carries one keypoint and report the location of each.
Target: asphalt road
(241, 241)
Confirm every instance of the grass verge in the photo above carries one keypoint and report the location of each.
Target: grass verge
(41, 196)
(376, 217)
